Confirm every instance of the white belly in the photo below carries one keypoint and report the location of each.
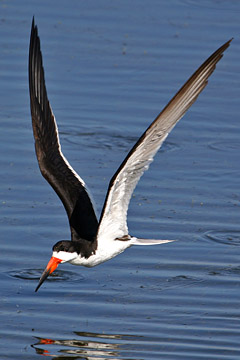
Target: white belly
(110, 250)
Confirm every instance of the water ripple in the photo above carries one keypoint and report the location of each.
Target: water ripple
(224, 145)
(212, 4)
(100, 140)
(233, 271)
(103, 140)
(34, 274)
(227, 237)
(181, 281)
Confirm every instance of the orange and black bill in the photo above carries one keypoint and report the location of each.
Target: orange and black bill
(51, 266)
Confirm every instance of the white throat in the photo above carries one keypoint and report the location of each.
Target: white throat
(65, 256)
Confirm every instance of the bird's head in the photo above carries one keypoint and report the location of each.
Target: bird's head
(63, 251)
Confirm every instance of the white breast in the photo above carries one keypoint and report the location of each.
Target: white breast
(103, 253)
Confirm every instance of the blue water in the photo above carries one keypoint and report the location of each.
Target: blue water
(110, 68)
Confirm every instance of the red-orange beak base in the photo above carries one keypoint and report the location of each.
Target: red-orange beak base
(51, 266)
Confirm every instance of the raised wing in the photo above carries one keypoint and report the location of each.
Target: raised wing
(113, 221)
(53, 165)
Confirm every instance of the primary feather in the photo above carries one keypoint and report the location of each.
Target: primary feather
(113, 220)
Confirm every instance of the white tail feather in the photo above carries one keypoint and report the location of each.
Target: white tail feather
(137, 241)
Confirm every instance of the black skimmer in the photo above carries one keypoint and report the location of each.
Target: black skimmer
(94, 242)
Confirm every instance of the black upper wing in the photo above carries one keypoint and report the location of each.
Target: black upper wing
(53, 165)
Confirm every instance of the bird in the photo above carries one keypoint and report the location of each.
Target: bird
(95, 241)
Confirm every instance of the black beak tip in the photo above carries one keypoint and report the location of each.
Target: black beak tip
(37, 287)
(39, 284)
(42, 278)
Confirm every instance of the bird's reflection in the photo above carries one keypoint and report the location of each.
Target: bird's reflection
(85, 345)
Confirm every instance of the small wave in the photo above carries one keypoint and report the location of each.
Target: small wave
(110, 141)
(35, 274)
(213, 4)
(227, 237)
(224, 145)
(179, 281)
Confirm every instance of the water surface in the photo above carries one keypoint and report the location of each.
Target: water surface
(110, 68)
